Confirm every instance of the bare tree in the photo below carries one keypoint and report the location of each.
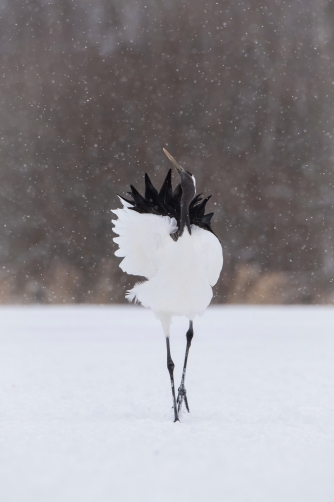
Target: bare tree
(242, 93)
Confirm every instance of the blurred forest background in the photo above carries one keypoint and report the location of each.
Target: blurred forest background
(241, 93)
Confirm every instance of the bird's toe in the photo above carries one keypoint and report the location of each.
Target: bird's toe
(182, 397)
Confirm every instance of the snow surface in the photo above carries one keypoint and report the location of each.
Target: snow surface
(85, 406)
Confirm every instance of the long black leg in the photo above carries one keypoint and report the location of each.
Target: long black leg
(182, 394)
(170, 366)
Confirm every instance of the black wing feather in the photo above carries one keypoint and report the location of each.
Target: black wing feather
(166, 202)
(151, 193)
(166, 192)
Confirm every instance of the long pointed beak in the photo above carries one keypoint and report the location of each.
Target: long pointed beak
(173, 161)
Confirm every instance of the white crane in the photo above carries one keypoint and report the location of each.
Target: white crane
(166, 238)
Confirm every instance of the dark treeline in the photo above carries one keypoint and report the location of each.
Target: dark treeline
(241, 93)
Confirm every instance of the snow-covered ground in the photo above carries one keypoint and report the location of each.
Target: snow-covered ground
(85, 406)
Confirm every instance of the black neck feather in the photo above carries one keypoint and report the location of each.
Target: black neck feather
(184, 218)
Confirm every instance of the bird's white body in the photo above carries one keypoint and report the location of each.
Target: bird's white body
(180, 269)
(180, 274)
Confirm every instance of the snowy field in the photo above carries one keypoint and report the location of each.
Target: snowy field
(85, 406)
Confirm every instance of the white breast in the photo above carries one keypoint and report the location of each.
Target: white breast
(188, 268)
(180, 273)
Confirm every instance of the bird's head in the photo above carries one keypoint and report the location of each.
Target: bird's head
(188, 182)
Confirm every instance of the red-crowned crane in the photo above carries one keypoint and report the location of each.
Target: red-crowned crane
(166, 238)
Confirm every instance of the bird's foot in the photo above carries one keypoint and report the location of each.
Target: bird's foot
(176, 413)
(182, 396)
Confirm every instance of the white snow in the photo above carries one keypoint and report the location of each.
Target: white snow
(85, 406)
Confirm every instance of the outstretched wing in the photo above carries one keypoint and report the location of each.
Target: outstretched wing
(141, 240)
(209, 248)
